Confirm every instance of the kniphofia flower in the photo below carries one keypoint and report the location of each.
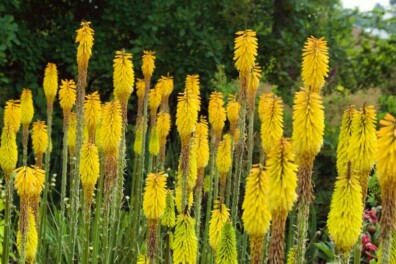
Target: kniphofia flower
(85, 39)
(50, 83)
(185, 246)
(12, 115)
(8, 152)
(148, 65)
(123, 76)
(245, 51)
(27, 108)
(217, 113)
(220, 216)
(67, 96)
(89, 170)
(154, 198)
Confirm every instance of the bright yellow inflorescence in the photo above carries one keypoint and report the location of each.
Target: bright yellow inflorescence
(386, 154)
(31, 242)
(254, 82)
(223, 159)
(233, 108)
(12, 115)
(220, 216)
(192, 84)
(256, 215)
(89, 168)
(148, 65)
(154, 99)
(50, 83)
(39, 137)
(217, 113)
(163, 125)
(315, 65)
(123, 76)
(8, 151)
(67, 95)
(26, 182)
(165, 85)
(185, 246)
(226, 252)
(111, 125)
(201, 143)
(282, 171)
(71, 139)
(344, 140)
(271, 115)
(245, 51)
(154, 199)
(345, 216)
(27, 108)
(308, 124)
(187, 113)
(169, 217)
(85, 40)
(92, 110)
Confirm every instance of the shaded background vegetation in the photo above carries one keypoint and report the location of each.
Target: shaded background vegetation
(196, 37)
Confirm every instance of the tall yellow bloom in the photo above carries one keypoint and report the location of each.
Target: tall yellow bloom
(140, 89)
(224, 161)
(220, 216)
(50, 83)
(315, 65)
(112, 125)
(245, 51)
(34, 201)
(192, 84)
(89, 170)
(256, 215)
(137, 145)
(217, 113)
(178, 198)
(123, 76)
(31, 239)
(154, 100)
(169, 217)
(148, 65)
(271, 115)
(201, 143)
(282, 194)
(166, 88)
(12, 115)
(39, 140)
(363, 144)
(8, 152)
(163, 125)
(345, 216)
(308, 124)
(227, 252)
(67, 96)
(344, 140)
(27, 108)
(253, 84)
(85, 40)
(92, 113)
(233, 108)
(185, 246)
(187, 113)
(154, 198)
(26, 182)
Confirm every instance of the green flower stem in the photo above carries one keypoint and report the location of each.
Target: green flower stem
(7, 220)
(87, 222)
(25, 139)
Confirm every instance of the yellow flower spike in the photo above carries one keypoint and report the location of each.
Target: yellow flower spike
(154, 198)
(89, 170)
(12, 115)
(31, 242)
(112, 125)
(140, 88)
(227, 252)
(85, 39)
(315, 64)
(123, 76)
(67, 95)
(201, 143)
(271, 113)
(143, 259)
(344, 140)
(253, 85)
(386, 154)
(39, 174)
(224, 161)
(39, 140)
(192, 84)
(245, 51)
(8, 152)
(25, 182)
(169, 217)
(187, 113)
(185, 246)
(27, 108)
(282, 171)
(217, 113)
(192, 170)
(154, 100)
(220, 216)
(233, 108)
(50, 83)
(163, 125)
(308, 124)
(178, 199)
(154, 142)
(345, 217)
(256, 214)
(148, 65)
(71, 139)
(166, 88)
(92, 112)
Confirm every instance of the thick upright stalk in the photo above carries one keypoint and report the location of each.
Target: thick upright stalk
(87, 222)
(44, 205)
(25, 139)
(250, 139)
(198, 200)
(7, 220)
(63, 188)
(98, 213)
(305, 197)
(276, 249)
(239, 151)
(167, 248)
(82, 81)
(229, 182)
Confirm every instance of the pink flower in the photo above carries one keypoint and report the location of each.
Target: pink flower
(370, 215)
(370, 246)
(365, 239)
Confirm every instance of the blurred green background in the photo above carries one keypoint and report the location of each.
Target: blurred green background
(197, 37)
